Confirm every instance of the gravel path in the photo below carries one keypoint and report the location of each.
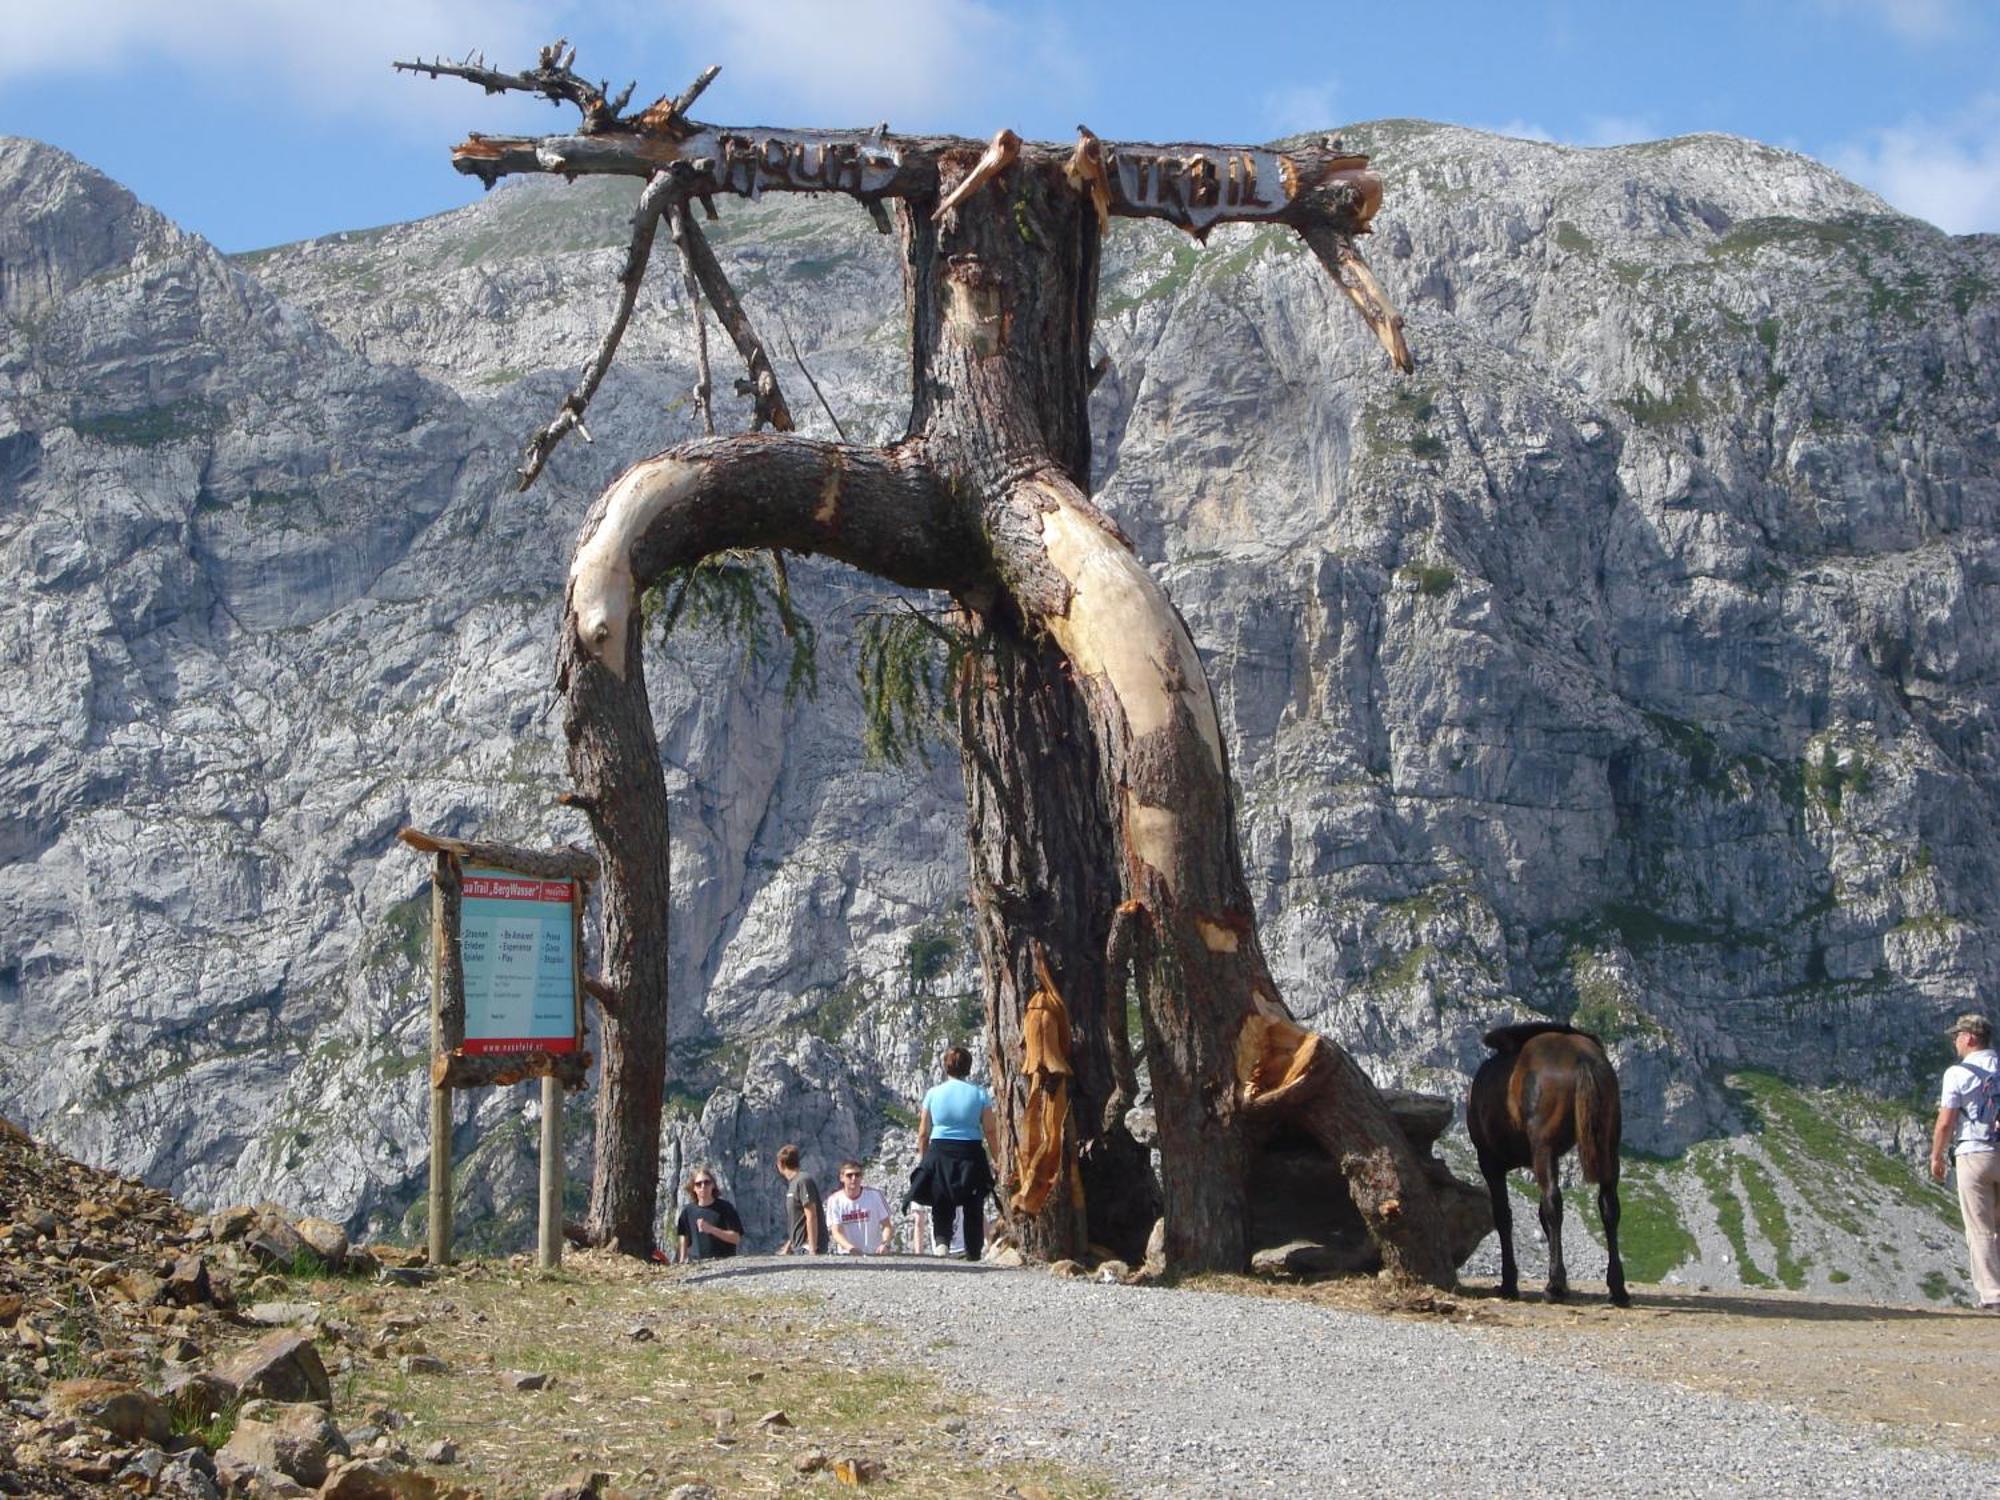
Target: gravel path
(1195, 1393)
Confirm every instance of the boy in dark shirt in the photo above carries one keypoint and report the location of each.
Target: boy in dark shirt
(805, 1214)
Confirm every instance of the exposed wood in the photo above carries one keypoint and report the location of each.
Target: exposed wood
(1048, 1147)
(458, 1069)
(1342, 259)
(1085, 172)
(1001, 153)
(559, 864)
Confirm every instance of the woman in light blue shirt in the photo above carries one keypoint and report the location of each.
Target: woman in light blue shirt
(956, 1137)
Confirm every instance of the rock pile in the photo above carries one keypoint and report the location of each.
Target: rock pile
(145, 1350)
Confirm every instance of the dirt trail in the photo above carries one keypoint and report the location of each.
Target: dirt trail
(1927, 1373)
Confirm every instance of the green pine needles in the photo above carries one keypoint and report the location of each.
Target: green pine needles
(908, 659)
(730, 594)
(907, 665)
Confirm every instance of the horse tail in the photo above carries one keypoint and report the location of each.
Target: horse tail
(1597, 1117)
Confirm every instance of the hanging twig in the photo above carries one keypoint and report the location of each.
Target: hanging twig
(799, 360)
(678, 225)
(645, 221)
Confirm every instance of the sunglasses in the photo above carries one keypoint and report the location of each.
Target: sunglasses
(704, 1182)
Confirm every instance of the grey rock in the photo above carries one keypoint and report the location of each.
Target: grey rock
(282, 1314)
(298, 1440)
(281, 1366)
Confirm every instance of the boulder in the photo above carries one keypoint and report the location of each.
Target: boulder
(281, 1366)
(295, 1438)
(189, 1285)
(377, 1479)
(122, 1410)
(273, 1243)
(197, 1396)
(325, 1239)
(229, 1224)
(1299, 1258)
(282, 1314)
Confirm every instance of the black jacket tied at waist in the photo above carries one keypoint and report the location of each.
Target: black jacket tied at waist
(952, 1173)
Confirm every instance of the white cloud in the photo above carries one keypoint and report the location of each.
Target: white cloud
(1297, 108)
(317, 59)
(1618, 130)
(920, 64)
(1517, 129)
(1945, 171)
(1919, 21)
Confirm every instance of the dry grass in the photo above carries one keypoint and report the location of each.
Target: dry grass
(683, 1403)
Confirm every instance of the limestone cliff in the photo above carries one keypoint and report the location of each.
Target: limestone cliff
(1626, 662)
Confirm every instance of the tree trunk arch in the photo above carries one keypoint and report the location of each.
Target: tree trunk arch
(1103, 851)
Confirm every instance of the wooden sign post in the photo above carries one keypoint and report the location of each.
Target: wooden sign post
(506, 998)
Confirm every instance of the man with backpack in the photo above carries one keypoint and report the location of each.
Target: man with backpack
(1968, 1111)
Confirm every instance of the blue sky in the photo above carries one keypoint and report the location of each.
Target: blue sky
(259, 121)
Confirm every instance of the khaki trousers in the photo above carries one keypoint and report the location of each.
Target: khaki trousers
(1979, 1200)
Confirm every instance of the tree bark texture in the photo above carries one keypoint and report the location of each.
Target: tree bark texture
(1097, 780)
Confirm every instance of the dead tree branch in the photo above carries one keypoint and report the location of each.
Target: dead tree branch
(659, 193)
(553, 78)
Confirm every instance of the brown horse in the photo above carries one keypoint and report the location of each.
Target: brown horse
(1546, 1088)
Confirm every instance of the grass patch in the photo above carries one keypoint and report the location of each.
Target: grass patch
(1426, 578)
(151, 426)
(1652, 1240)
(1719, 1182)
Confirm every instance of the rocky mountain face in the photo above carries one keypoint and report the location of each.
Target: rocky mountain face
(1626, 663)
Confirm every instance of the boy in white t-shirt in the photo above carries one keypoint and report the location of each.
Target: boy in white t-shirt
(857, 1217)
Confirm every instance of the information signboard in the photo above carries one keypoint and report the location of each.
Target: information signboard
(516, 941)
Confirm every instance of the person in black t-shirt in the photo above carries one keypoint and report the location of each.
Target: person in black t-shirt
(805, 1211)
(708, 1228)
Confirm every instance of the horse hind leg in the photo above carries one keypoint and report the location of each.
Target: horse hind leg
(1503, 1223)
(1607, 1210)
(1548, 1177)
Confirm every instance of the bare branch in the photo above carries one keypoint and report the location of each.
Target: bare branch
(645, 222)
(799, 360)
(552, 78)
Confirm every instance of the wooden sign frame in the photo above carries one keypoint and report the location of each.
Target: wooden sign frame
(452, 1067)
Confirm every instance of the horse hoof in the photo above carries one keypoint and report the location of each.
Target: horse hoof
(1511, 1293)
(1621, 1298)
(1557, 1293)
